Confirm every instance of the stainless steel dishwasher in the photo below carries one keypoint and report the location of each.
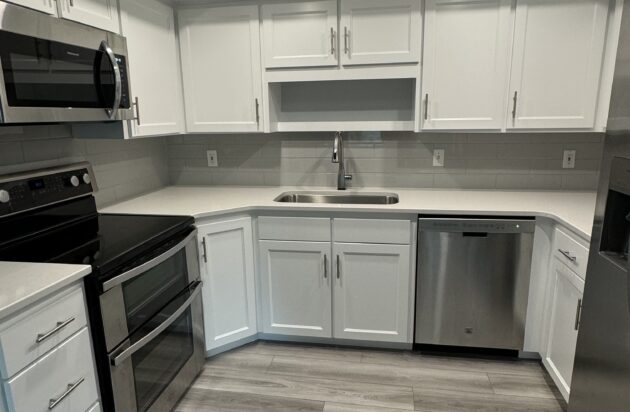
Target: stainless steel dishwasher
(473, 281)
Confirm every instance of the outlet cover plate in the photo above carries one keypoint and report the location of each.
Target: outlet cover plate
(568, 160)
(438, 158)
(213, 160)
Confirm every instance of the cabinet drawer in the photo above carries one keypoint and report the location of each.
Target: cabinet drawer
(372, 231)
(65, 375)
(50, 322)
(310, 229)
(571, 252)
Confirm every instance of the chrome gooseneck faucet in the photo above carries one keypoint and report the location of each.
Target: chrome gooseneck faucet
(337, 157)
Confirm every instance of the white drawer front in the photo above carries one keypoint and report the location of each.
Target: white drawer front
(51, 377)
(571, 252)
(310, 229)
(51, 321)
(372, 231)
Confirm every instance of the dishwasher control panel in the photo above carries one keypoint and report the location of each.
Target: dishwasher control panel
(490, 225)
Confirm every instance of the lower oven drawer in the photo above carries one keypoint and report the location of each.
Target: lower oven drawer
(62, 381)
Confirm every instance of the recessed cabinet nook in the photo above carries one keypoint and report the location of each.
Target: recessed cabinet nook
(263, 66)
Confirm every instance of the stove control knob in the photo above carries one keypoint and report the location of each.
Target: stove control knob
(86, 178)
(74, 181)
(4, 196)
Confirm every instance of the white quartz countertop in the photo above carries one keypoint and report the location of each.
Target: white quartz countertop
(24, 283)
(572, 209)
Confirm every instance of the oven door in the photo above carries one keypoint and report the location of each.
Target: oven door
(59, 71)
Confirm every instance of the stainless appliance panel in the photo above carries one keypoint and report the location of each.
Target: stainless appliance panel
(20, 20)
(473, 282)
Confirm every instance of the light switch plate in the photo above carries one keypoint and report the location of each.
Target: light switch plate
(213, 160)
(438, 158)
(568, 160)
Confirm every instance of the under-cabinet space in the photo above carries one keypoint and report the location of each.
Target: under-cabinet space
(349, 105)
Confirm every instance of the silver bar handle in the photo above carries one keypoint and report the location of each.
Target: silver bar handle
(137, 104)
(426, 106)
(257, 111)
(578, 314)
(346, 38)
(122, 356)
(338, 267)
(138, 270)
(515, 102)
(111, 113)
(60, 325)
(71, 387)
(332, 41)
(205, 250)
(71, 3)
(325, 266)
(567, 255)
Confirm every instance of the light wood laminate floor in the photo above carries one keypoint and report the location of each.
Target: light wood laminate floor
(268, 376)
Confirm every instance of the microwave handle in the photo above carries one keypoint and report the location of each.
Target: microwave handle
(122, 356)
(111, 113)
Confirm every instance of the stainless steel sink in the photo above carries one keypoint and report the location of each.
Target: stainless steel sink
(339, 198)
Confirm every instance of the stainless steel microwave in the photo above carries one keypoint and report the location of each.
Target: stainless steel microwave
(54, 70)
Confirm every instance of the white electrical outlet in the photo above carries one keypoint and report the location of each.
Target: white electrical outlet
(568, 161)
(438, 158)
(213, 160)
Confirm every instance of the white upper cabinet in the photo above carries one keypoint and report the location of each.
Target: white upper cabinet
(295, 280)
(149, 27)
(556, 64)
(46, 6)
(377, 31)
(371, 292)
(227, 272)
(466, 58)
(97, 13)
(220, 51)
(300, 34)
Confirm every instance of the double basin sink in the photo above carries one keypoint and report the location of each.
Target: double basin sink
(350, 198)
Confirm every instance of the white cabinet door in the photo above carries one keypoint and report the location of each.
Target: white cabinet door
(229, 291)
(563, 324)
(295, 279)
(300, 34)
(46, 6)
(149, 27)
(466, 63)
(556, 64)
(220, 50)
(97, 13)
(377, 31)
(371, 292)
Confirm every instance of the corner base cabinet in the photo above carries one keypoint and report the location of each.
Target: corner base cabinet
(227, 272)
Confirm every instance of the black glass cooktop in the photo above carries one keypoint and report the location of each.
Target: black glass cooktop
(73, 232)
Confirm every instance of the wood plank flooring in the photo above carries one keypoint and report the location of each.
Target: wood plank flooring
(269, 376)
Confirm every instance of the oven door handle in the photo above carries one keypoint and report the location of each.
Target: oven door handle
(111, 113)
(122, 356)
(138, 270)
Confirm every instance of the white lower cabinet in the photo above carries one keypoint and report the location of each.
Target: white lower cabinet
(564, 308)
(227, 272)
(371, 293)
(295, 279)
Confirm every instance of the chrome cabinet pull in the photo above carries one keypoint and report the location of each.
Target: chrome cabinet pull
(567, 255)
(332, 41)
(578, 314)
(515, 101)
(205, 250)
(426, 106)
(60, 325)
(346, 38)
(71, 3)
(338, 268)
(71, 387)
(325, 267)
(137, 104)
(257, 111)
